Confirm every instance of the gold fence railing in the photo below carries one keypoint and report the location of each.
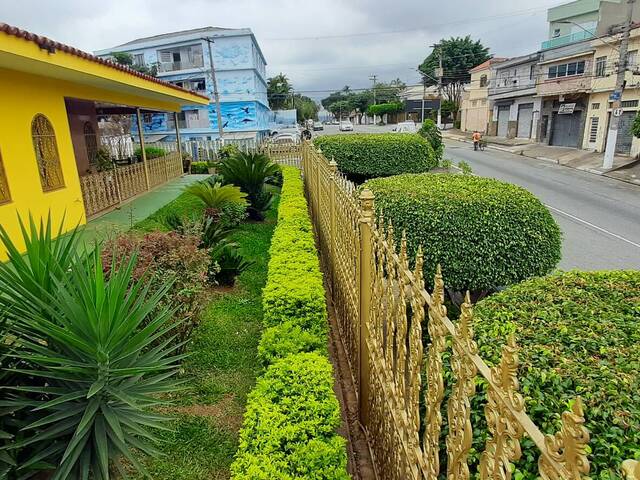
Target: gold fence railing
(105, 190)
(283, 153)
(381, 305)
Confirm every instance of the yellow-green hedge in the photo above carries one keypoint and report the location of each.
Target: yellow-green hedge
(292, 414)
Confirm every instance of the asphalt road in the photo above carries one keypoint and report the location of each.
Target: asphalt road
(599, 216)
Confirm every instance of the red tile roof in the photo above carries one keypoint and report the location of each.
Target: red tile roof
(486, 64)
(51, 46)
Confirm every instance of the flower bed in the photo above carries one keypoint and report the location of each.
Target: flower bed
(292, 414)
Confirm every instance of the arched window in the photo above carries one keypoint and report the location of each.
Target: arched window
(5, 195)
(46, 149)
(91, 142)
(483, 81)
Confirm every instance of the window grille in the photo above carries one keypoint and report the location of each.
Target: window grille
(47, 156)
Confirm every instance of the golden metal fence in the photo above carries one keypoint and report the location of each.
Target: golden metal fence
(105, 190)
(283, 153)
(381, 305)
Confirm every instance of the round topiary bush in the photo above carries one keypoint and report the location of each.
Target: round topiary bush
(483, 232)
(579, 334)
(364, 156)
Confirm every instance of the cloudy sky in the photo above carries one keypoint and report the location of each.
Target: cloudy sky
(321, 45)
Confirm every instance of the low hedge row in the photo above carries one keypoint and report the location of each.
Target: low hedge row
(363, 156)
(292, 414)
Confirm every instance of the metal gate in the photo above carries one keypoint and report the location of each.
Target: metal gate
(565, 130)
(625, 137)
(503, 120)
(525, 120)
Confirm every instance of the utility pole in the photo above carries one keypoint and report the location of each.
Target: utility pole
(374, 78)
(439, 74)
(614, 122)
(424, 94)
(216, 96)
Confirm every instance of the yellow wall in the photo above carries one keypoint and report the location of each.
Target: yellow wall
(22, 96)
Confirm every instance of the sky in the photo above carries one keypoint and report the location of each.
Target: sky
(321, 45)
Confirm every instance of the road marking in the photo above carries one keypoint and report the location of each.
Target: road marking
(573, 217)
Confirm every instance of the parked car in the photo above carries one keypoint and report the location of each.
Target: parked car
(291, 129)
(406, 127)
(285, 139)
(317, 126)
(346, 126)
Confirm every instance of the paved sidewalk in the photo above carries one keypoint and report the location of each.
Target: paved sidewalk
(624, 168)
(125, 216)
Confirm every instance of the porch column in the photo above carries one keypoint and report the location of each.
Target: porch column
(143, 153)
(179, 142)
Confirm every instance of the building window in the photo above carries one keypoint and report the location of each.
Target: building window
(46, 150)
(90, 142)
(532, 71)
(593, 130)
(483, 81)
(5, 196)
(632, 58)
(483, 101)
(556, 33)
(138, 59)
(147, 118)
(629, 103)
(601, 66)
(566, 69)
(595, 106)
(474, 103)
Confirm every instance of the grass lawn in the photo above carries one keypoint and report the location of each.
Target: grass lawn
(221, 369)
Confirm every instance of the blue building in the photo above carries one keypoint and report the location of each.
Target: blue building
(182, 58)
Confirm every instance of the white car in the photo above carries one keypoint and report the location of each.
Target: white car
(346, 126)
(406, 127)
(285, 139)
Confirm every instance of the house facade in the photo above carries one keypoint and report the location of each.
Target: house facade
(515, 107)
(602, 86)
(182, 58)
(474, 109)
(49, 140)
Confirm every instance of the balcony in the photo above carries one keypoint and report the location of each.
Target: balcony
(587, 34)
(175, 66)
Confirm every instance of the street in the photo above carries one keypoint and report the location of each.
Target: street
(599, 216)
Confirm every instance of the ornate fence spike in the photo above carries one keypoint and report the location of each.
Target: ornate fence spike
(438, 292)
(503, 447)
(404, 260)
(567, 448)
(631, 469)
(465, 325)
(390, 239)
(418, 274)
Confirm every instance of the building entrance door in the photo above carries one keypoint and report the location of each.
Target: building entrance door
(503, 120)
(625, 137)
(525, 120)
(565, 131)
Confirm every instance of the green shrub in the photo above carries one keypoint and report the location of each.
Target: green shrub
(430, 131)
(363, 156)
(151, 152)
(579, 335)
(485, 233)
(199, 167)
(288, 338)
(290, 423)
(383, 108)
(294, 289)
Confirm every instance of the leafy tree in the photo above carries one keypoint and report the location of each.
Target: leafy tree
(459, 55)
(382, 108)
(340, 107)
(306, 107)
(342, 95)
(126, 59)
(279, 91)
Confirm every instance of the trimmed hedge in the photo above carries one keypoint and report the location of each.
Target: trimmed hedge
(199, 167)
(292, 414)
(579, 334)
(485, 233)
(364, 156)
(290, 422)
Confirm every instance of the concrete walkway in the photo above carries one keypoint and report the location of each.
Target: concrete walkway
(126, 216)
(585, 160)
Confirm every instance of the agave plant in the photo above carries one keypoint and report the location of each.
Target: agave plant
(92, 344)
(250, 172)
(216, 195)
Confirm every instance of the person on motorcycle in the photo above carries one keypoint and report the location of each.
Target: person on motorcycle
(477, 137)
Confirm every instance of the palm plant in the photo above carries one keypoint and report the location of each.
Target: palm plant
(215, 233)
(250, 172)
(87, 349)
(230, 261)
(215, 195)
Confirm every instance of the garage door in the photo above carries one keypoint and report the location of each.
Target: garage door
(566, 130)
(525, 120)
(503, 120)
(623, 142)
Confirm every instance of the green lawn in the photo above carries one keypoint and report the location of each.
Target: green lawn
(221, 369)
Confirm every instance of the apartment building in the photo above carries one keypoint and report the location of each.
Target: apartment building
(182, 58)
(474, 109)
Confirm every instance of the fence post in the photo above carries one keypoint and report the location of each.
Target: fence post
(364, 293)
(142, 149)
(333, 169)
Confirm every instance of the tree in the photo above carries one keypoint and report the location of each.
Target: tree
(342, 95)
(279, 91)
(459, 55)
(306, 107)
(126, 59)
(340, 108)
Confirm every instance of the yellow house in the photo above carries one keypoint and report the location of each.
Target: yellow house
(605, 63)
(50, 95)
(475, 104)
